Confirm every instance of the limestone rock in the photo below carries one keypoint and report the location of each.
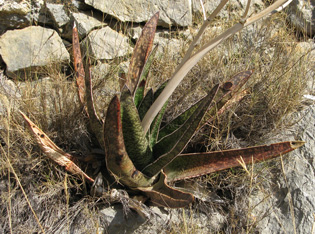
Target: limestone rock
(106, 43)
(232, 7)
(177, 13)
(18, 14)
(32, 47)
(58, 14)
(301, 15)
(80, 5)
(290, 203)
(85, 24)
(9, 95)
(168, 46)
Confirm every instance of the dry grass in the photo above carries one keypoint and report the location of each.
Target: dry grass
(38, 195)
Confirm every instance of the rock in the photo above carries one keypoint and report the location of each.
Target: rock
(9, 95)
(18, 14)
(307, 49)
(168, 46)
(85, 24)
(292, 192)
(33, 47)
(80, 5)
(177, 13)
(58, 14)
(301, 15)
(106, 43)
(232, 7)
(134, 32)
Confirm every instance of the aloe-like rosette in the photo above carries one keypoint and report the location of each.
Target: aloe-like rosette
(141, 154)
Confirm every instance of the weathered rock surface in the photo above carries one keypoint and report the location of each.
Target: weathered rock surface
(301, 15)
(58, 14)
(288, 203)
(18, 14)
(177, 13)
(232, 7)
(34, 46)
(9, 94)
(106, 43)
(85, 24)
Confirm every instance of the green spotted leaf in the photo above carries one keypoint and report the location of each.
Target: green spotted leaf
(170, 146)
(136, 143)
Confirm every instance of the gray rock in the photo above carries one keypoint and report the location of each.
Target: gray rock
(80, 5)
(134, 32)
(172, 12)
(85, 24)
(106, 43)
(290, 203)
(18, 14)
(232, 7)
(301, 15)
(9, 96)
(307, 49)
(58, 14)
(32, 47)
(168, 46)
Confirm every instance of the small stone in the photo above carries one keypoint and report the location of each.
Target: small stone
(32, 47)
(105, 43)
(58, 14)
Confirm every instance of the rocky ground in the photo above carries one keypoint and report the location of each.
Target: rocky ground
(35, 39)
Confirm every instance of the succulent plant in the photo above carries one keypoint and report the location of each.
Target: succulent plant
(140, 153)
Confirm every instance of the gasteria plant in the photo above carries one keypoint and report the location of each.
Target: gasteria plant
(140, 153)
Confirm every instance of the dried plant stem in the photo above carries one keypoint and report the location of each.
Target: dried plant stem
(182, 72)
(11, 169)
(9, 202)
(67, 200)
(25, 195)
(203, 10)
(190, 60)
(246, 9)
(9, 178)
(200, 32)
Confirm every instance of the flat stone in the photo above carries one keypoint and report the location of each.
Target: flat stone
(58, 14)
(85, 24)
(172, 12)
(106, 43)
(289, 197)
(31, 47)
(18, 14)
(232, 7)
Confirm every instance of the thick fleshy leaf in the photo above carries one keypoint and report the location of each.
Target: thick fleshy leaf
(136, 143)
(155, 126)
(146, 103)
(161, 194)
(78, 65)
(197, 164)
(95, 123)
(225, 93)
(170, 146)
(52, 150)
(178, 121)
(141, 52)
(228, 91)
(117, 159)
(148, 63)
(139, 94)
